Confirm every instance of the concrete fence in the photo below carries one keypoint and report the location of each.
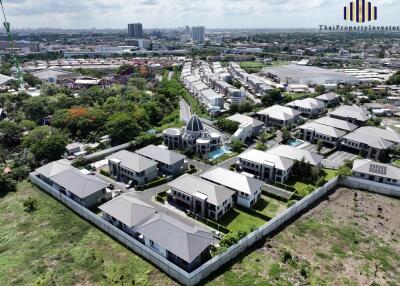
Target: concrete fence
(216, 262)
(371, 186)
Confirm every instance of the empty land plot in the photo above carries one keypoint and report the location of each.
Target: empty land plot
(350, 239)
(54, 246)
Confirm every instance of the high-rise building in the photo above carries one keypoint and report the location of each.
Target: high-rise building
(135, 30)
(198, 34)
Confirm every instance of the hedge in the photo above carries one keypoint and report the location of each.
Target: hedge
(274, 196)
(210, 223)
(253, 212)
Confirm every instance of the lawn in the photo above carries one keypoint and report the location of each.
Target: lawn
(236, 220)
(343, 241)
(54, 246)
(300, 185)
(299, 95)
(397, 163)
(269, 206)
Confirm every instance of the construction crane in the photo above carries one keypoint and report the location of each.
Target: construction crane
(7, 26)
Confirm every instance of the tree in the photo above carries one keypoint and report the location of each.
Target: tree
(316, 172)
(266, 100)
(31, 79)
(286, 135)
(7, 184)
(261, 146)
(394, 79)
(344, 171)
(227, 125)
(122, 128)
(36, 108)
(237, 146)
(45, 143)
(306, 190)
(276, 95)
(374, 121)
(139, 83)
(10, 133)
(320, 89)
(320, 145)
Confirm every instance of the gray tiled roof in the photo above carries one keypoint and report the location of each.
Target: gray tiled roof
(54, 168)
(364, 166)
(244, 119)
(160, 154)
(194, 124)
(308, 103)
(128, 209)
(133, 161)
(297, 154)
(328, 96)
(191, 185)
(78, 183)
(262, 157)
(177, 237)
(280, 112)
(352, 111)
(323, 129)
(337, 123)
(233, 180)
(386, 134)
(369, 139)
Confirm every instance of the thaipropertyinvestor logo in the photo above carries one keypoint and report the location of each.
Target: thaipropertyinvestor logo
(360, 11)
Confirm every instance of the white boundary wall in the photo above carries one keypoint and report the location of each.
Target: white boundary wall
(216, 262)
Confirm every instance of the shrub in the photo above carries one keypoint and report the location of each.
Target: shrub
(286, 256)
(30, 205)
(291, 203)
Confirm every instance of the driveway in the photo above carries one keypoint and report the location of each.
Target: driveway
(337, 159)
(185, 111)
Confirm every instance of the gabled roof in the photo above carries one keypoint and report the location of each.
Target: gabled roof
(160, 154)
(323, 129)
(280, 112)
(4, 79)
(337, 123)
(307, 103)
(79, 184)
(296, 154)
(233, 180)
(133, 161)
(193, 185)
(328, 96)
(128, 209)
(54, 168)
(352, 111)
(265, 158)
(376, 169)
(244, 119)
(386, 134)
(177, 237)
(369, 139)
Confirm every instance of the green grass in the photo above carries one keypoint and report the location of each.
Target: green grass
(300, 95)
(300, 185)
(397, 163)
(170, 121)
(269, 206)
(330, 174)
(54, 246)
(236, 220)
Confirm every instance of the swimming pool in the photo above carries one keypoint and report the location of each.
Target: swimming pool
(295, 142)
(219, 152)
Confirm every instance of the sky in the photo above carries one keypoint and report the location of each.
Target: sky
(100, 14)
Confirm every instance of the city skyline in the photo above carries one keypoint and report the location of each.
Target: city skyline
(155, 14)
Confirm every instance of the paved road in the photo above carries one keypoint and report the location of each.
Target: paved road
(185, 110)
(170, 75)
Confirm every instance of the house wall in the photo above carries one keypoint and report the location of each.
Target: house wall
(377, 178)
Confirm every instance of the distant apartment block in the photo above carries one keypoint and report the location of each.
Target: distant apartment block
(199, 34)
(135, 30)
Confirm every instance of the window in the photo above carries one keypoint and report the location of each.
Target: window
(151, 243)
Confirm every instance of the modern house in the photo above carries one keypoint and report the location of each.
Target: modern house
(126, 166)
(329, 99)
(185, 245)
(336, 123)
(314, 132)
(309, 107)
(247, 189)
(127, 212)
(201, 197)
(372, 142)
(248, 126)
(352, 114)
(194, 137)
(279, 116)
(296, 154)
(265, 166)
(168, 162)
(87, 190)
(377, 172)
